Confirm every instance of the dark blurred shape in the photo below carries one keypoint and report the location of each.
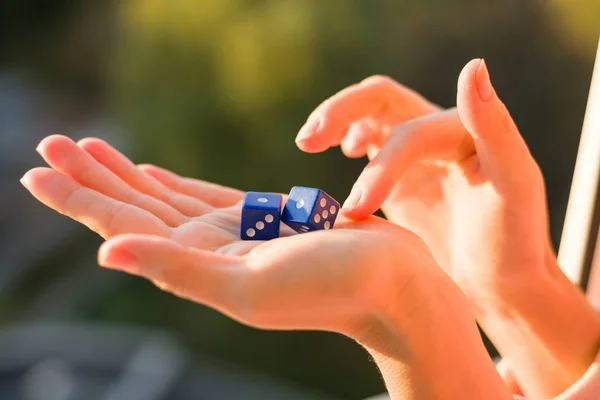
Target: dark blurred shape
(88, 362)
(28, 232)
(217, 90)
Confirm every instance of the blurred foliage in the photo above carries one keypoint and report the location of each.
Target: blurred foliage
(580, 19)
(227, 85)
(218, 89)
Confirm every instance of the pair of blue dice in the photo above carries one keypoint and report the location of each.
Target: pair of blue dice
(307, 209)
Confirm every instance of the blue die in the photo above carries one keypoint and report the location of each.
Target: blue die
(309, 209)
(261, 214)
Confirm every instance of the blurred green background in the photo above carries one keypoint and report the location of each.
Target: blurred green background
(218, 90)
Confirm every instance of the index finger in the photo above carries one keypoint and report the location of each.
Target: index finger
(378, 97)
(439, 136)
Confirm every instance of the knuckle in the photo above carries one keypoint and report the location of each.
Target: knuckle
(178, 282)
(174, 199)
(72, 197)
(87, 172)
(503, 120)
(133, 197)
(112, 217)
(174, 277)
(406, 136)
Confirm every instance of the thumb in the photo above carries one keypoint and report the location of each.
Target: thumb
(502, 152)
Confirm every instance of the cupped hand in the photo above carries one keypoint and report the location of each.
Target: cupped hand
(183, 235)
(462, 179)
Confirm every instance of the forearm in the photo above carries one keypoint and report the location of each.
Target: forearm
(546, 330)
(434, 351)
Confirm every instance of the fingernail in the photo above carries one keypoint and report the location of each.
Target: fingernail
(23, 181)
(354, 198)
(120, 259)
(308, 129)
(484, 86)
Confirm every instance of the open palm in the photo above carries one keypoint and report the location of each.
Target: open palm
(183, 234)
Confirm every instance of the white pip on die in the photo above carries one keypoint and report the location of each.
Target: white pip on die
(309, 209)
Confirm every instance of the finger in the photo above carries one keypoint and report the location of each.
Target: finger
(508, 377)
(210, 193)
(437, 136)
(62, 154)
(500, 148)
(102, 214)
(120, 165)
(359, 136)
(209, 278)
(376, 96)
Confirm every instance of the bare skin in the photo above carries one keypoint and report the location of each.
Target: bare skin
(461, 181)
(464, 180)
(183, 235)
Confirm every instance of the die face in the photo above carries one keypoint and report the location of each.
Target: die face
(262, 200)
(300, 204)
(325, 212)
(318, 210)
(261, 215)
(259, 224)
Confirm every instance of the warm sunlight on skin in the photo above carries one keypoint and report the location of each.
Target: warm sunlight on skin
(451, 176)
(184, 234)
(364, 279)
(464, 180)
(461, 192)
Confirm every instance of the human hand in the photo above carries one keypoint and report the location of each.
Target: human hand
(453, 177)
(463, 179)
(182, 234)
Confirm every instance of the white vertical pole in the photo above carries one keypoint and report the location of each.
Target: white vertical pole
(580, 230)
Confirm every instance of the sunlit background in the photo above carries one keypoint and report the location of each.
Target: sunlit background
(218, 90)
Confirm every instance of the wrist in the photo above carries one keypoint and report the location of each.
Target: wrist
(545, 327)
(426, 342)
